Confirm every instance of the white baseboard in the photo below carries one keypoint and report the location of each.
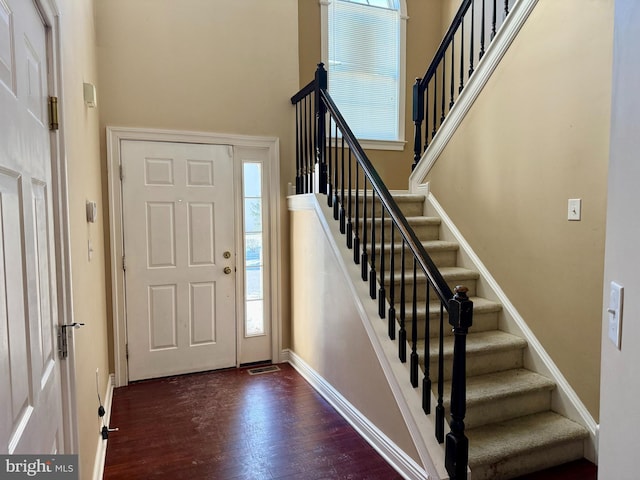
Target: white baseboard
(101, 450)
(397, 458)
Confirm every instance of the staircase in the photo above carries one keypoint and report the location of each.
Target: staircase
(509, 422)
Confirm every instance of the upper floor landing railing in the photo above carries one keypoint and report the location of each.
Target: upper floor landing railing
(473, 28)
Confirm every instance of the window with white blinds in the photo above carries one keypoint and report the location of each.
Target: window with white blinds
(364, 65)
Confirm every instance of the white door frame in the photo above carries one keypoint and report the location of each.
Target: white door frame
(115, 135)
(61, 224)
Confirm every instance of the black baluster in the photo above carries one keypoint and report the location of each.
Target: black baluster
(414, 328)
(298, 156)
(453, 74)
(336, 202)
(329, 167)
(305, 186)
(435, 103)
(473, 35)
(444, 86)
(356, 238)
(440, 406)
(382, 295)
(493, 21)
(372, 250)
(418, 108)
(426, 380)
(402, 333)
(392, 286)
(506, 8)
(426, 119)
(310, 155)
(461, 86)
(482, 30)
(364, 259)
(349, 224)
(342, 199)
(312, 146)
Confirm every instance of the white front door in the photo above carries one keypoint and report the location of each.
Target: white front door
(179, 247)
(30, 394)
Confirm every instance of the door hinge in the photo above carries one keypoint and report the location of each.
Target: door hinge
(121, 173)
(53, 113)
(126, 350)
(124, 263)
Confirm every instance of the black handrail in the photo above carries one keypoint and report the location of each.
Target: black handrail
(416, 247)
(329, 164)
(429, 96)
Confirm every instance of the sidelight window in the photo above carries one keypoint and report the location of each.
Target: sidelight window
(254, 243)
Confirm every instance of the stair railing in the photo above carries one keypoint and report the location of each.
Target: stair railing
(435, 94)
(329, 160)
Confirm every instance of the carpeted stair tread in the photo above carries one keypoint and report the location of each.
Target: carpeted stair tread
(492, 443)
(412, 220)
(491, 387)
(480, 306)
(450, 274)
(478, 343)
(429, 246)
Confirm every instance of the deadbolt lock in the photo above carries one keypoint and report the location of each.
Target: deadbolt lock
(226, 254)
(227, 270)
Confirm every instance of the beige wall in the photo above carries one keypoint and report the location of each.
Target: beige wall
(620, 386)
(79, 125)
(214, 66)
(423, 38)
(537, 136)
(327, 331)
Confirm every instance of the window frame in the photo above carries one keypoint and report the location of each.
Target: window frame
(373, 144)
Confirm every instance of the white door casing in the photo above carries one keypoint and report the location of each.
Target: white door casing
(267, 148)
(31, 417)
(179, 245)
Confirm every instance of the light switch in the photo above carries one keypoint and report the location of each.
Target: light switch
(616, 298)
(575, 207)
(92, 211)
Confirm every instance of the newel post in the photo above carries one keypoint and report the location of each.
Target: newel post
(457, 444)
(321, 141)
(418, 117)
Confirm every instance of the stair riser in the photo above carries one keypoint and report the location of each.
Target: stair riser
(412, 208)
(421, 293)
(442, 258)
(481, 363)
(531, 461)
(482, 322)
(422, 231)
(506, 408)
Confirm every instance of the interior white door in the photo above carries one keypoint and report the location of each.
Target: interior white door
(178, 209)
(30, 396)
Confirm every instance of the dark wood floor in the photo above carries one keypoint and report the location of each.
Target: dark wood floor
(233, 426)
(230, 425)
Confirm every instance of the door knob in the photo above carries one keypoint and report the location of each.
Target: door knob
(227, 270)
(226, 254)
